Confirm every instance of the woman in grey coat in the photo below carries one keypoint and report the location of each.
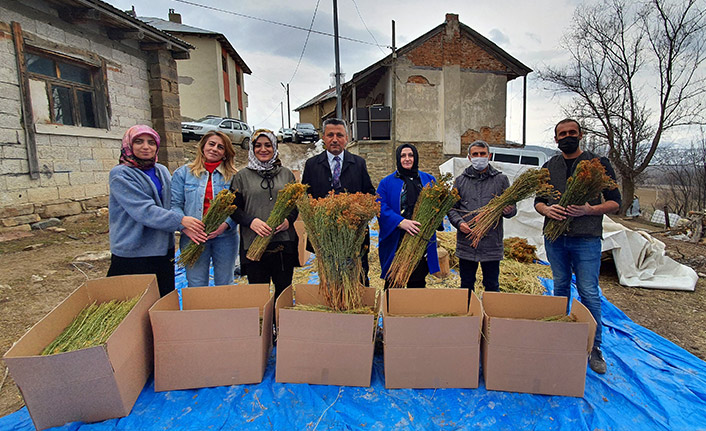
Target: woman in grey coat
(477, 185)
(256, 189)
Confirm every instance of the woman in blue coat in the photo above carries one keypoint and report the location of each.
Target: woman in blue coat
(398, 193)
(142, 224)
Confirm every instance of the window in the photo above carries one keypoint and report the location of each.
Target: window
(71, 88)
(227, 108)
(226, 125)
(507, 158)
(237, 77)
(529, 160)
(224, 63)
(237, 126)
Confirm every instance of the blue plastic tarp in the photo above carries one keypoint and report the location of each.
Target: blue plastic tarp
(651, 384)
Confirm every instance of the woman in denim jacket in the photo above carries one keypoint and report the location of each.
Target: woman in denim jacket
(193, 187)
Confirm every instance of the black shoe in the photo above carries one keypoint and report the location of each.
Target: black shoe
(596, 361)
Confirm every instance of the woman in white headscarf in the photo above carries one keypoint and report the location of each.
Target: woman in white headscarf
(256, 189)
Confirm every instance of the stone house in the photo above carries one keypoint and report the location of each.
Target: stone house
(74, 75)
(440, 92)
(211, 81)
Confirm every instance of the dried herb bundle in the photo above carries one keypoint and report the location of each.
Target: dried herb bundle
(529, 183)
(221, 207)
(587, 183)
(325, 309)
(92, 327)
(560, 318)
(336, 225)
(286, 201)
(435, 200)
(519, 249)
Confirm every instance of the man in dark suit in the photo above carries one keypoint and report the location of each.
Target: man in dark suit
(338, 170)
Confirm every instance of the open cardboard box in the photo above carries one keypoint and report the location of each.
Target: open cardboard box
(431, 352)
(216, 340)
(523, 354)
(323, 348)
(95, 383)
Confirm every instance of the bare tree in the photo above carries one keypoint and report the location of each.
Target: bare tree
(684, 172)
(635, 72)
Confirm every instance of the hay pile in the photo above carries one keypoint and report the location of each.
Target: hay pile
(515, 277)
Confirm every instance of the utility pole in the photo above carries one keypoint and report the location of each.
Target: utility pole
(338, 62)
(281, 111)
(289, 115)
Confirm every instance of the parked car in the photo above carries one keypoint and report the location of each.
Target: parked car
(238, 131)
(305, 132)
(285, 135)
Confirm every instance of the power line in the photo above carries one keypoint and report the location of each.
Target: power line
(275, 22)
(366, 27)
(305, 42)
(268, 117)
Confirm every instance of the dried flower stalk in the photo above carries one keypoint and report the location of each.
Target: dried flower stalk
(529, 183)
(587, 183)
(286, 202)
(221, 207)
(336, 225)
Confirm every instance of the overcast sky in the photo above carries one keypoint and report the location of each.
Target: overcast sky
(529, 31)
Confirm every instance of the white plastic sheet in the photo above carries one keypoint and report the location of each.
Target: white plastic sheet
(639, 258)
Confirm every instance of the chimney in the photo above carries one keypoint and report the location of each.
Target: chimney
(452, 29)
(176, 17)
(132, 12)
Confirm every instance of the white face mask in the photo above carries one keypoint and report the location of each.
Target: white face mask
(479, 163)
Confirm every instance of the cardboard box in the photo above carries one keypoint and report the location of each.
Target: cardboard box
(431, 352)
(323, 348)
(522, 354)
(95, 383)
(216, 340)
(304, 254)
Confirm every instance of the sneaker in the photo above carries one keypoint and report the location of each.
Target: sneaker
(596, 361)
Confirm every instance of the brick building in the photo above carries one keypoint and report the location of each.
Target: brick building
(74, 75)
(443, 90)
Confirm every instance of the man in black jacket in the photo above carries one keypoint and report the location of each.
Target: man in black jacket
(338, 170)
(579, 250)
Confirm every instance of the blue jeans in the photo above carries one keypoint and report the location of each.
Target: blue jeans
(582, 256)
(222, 251)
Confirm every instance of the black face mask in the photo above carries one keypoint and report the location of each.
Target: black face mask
(569, 145)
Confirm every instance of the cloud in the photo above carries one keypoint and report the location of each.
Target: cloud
(498, 37)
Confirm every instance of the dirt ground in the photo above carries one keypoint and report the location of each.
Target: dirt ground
(41, 270)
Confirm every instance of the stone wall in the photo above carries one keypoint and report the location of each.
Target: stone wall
(380, 157)
(74, 162)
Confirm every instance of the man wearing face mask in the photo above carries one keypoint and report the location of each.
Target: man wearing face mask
(477, 185)
(579, 250)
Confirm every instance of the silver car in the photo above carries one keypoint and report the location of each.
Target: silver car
(238, 131)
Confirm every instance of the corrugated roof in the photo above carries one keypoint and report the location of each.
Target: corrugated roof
(175, 27)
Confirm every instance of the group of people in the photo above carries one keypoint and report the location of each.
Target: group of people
(147, 205)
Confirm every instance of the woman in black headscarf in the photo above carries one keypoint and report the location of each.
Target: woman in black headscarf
(398, 193)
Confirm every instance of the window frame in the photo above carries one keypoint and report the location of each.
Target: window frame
(95, 88)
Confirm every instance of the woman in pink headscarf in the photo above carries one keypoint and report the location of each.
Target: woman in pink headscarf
(141, 223)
